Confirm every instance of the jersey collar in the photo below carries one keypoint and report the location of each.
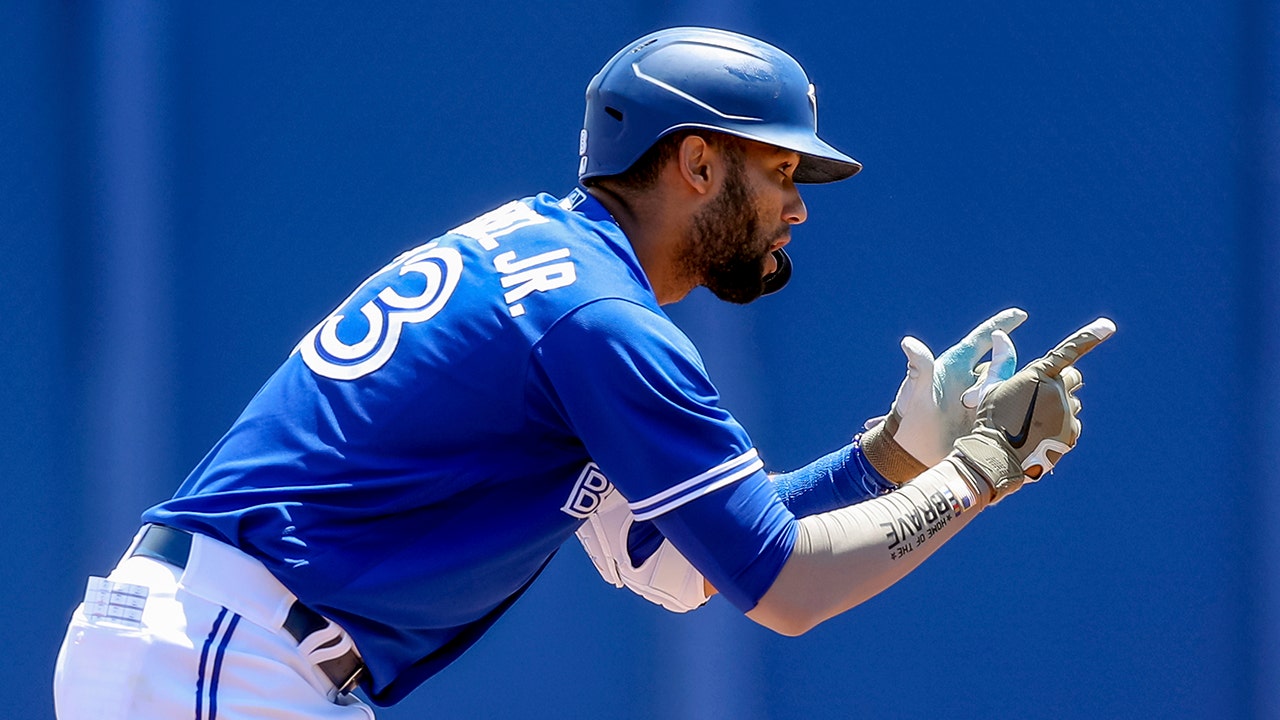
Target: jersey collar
(580, 201)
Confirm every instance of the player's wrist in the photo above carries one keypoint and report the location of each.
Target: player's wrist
(988, 462)
(886, 455)
(859, 468)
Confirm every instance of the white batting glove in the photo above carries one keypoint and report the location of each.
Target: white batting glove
(665, 577)
(938, 400)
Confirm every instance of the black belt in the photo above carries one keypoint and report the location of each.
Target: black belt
(173, 546)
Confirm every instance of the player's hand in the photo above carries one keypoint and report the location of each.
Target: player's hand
(938, 400)
(1028, 422)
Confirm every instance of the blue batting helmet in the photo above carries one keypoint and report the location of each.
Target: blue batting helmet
(701, 78)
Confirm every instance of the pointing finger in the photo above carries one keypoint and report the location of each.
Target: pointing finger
(1076, 346)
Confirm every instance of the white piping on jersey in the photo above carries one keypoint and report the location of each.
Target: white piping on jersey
(717, 477)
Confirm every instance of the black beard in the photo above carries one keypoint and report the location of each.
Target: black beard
(728, 249)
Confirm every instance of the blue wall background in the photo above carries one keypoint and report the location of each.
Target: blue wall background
(185, 189)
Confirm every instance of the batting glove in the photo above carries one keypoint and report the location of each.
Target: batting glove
(663, 576)
(937, 402)
(1028, 422)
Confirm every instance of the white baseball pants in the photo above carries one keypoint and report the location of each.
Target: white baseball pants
(156, 642)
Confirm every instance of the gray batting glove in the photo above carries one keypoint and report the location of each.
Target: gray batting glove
(937, 402)
(1028, 422)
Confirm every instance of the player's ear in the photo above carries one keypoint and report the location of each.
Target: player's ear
(694, 162)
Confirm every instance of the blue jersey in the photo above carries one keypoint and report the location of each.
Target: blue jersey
(420, 456)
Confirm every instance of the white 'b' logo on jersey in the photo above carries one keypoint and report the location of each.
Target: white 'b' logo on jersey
(590, 488)
(386, 315)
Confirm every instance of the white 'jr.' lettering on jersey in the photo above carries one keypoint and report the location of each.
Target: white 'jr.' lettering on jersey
(588, 491)
(341, 357)
(492, 225)
(385, 315)
(539, 273)
(521, 278)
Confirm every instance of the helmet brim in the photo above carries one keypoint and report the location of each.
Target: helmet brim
(820, 162)
(814, 169)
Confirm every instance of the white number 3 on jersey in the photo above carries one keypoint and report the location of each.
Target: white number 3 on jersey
(385, 315)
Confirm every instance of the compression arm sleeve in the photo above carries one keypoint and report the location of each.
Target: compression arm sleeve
(845, 556)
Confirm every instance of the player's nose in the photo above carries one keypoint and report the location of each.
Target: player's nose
(794, 211)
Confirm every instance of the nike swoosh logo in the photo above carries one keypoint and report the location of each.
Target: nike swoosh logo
(1021, 438)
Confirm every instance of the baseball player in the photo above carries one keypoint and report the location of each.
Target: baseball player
(424, 451)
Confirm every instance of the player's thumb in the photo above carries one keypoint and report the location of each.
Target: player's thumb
(919, 358)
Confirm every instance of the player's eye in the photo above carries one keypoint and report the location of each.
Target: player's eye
(785, 169)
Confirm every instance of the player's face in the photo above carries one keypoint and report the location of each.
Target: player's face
(735, 235)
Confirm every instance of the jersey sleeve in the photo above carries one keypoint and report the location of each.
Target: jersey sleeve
(633, 389)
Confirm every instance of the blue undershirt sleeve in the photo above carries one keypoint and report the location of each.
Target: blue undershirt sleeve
(835, 480)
